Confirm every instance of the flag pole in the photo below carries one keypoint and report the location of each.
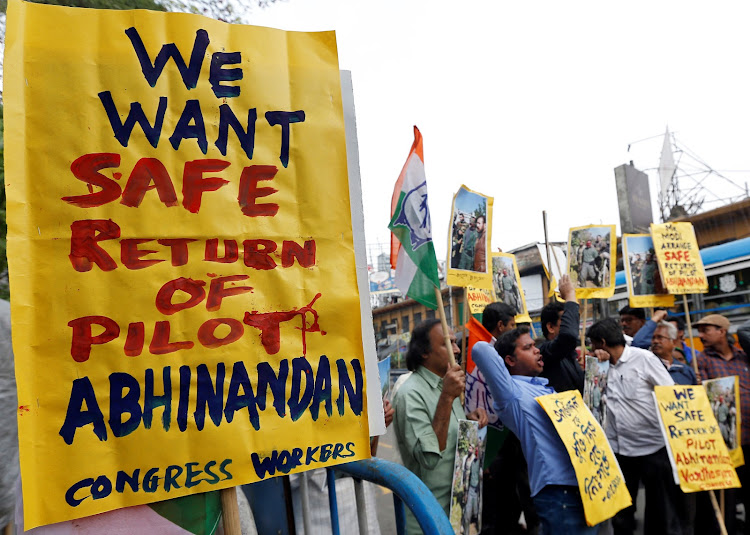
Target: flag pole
(690, 337)
(446, 332)
(230, 511)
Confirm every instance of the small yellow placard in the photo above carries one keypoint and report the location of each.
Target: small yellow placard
(680, 262)
(469, 240)
(645, 287)
(592, 255)
(478, 298)
(699, 457)
(600, 480)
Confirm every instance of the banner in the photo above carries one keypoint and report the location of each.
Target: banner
(724, 396)
(600, 479)
(507, 283)
(478, 299)
(645, 287)
(700, 459)
(680, 263)
(183, 286)
(469, 240)
(592, 255)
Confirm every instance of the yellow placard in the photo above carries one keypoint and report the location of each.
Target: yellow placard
(600, 480)
(181, 257)
(469, 238)
(478, 298)
(680, 262)
(645, 288)
(724, 398)
(697, 451)
(506, 280)
(592, 255)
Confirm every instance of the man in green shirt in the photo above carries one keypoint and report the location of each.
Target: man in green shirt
(428, 407)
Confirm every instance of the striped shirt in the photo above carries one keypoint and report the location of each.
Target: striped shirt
(712, 366)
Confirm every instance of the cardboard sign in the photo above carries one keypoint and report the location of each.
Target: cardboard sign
(724, 397)
(507, 283)
(592, 255)
(645, 287)
(469, 240)
(700, 459)
(600, 479)
(478, 299)
(466, 488)
(680, 262)
(183, 286)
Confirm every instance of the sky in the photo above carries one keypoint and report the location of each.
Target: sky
(534, 103)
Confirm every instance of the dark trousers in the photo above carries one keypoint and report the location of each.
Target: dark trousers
(509, 491)
(662, 495)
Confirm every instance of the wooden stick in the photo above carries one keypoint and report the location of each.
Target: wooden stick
(465, 320)
(8, 530)
(230, 511)
(546, 245)
(446, 332)
(717, 512)
(584, 303)
(690, 338)
(721, 503)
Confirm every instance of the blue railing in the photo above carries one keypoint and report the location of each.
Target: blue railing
(407, 489)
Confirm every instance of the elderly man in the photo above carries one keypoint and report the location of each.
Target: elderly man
(634, 431)
(664, 343)
(720, 359)
(512, 371)
(428, 409)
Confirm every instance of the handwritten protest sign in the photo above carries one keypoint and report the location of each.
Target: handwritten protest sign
(700, 459)
(645, 287)
(478, 298)
(469, 240)
(600, 479)
(181, 257)
(680, 262)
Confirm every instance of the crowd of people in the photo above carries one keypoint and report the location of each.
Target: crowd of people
(532, 473)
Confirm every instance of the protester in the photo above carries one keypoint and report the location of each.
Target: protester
(515, 385)
(634, 431)
(560, 329)
(497, 318)
(720, 359)
(631, 321)
(642, 338)
(428, 408)
(506, 485)
(664, 343)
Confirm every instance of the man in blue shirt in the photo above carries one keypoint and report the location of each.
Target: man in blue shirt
(515, 385)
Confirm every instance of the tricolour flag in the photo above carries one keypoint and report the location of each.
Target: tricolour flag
(412, 251)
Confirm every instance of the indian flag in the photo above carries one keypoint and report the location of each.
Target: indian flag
(412, 250)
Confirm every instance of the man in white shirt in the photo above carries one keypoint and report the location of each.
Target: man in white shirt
(634, 431)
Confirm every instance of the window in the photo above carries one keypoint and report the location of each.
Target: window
(430, 314)
(417, 318)
(405, 324)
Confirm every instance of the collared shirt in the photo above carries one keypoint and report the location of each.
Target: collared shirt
(515, 402)
(712, 366)
(415, 406)
(682, 374)
(633, 427)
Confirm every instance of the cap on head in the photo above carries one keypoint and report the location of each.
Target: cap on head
(717, 320)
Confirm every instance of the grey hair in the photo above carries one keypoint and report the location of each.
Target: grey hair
(670, 327)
